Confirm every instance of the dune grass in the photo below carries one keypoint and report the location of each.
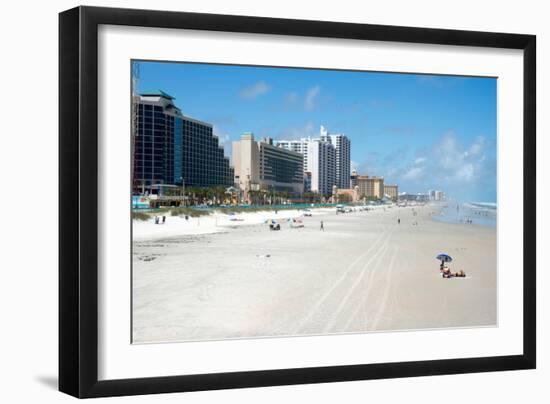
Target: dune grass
(263, 208)
(195, 212)
(182, 211)
(140, 216)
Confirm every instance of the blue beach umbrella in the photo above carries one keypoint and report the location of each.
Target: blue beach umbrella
(444, 258)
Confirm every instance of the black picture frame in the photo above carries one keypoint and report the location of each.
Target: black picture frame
(78, 196)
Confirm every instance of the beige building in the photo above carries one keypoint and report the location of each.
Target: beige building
(345, 195)
(246, 163)
(370, 187)
(391, 191)
(260, 165)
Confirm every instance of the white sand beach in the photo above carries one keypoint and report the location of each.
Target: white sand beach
(216, 278)
(214, 223)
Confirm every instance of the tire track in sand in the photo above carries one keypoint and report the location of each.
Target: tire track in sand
(381, 306)
(339, 288)
(361, 288)
(360, 308)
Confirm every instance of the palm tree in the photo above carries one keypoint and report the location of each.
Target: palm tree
(220, 193)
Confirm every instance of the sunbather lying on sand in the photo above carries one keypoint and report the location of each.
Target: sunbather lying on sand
(446, 273)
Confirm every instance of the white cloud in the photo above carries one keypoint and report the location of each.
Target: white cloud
(477, 146)
(451, 164)
(448, 164)
(223, 140)
(255, 90)
(458, 163)
(291, 98)
(298, 132)
(414, 173)
(307, 101)
(465, 173)
(311, 98)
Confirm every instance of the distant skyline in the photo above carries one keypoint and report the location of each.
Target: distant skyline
(419, 131)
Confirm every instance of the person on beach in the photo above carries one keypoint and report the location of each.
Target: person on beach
(163, 219)
(156, 220)
(398, 221)
(448, 274)
(322, 226)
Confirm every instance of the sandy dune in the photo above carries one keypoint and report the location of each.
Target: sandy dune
(363, 273)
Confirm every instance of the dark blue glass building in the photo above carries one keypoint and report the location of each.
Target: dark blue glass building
(171, 148)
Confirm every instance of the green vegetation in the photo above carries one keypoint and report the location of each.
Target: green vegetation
(197, 195)
(312, 197)
(140, 216)
(344, 198)
(244, 209)
(268, 197)
(182, 211)
(371, 198)
(195, 212)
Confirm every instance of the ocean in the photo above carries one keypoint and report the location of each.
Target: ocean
(479, 213)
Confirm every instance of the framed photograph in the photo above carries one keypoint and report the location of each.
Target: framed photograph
(251, 202)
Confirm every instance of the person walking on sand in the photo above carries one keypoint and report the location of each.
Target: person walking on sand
(398, 221)
(163, 219)
(156, 220)
(322, 226)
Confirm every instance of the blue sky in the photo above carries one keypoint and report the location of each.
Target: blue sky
(419, 131)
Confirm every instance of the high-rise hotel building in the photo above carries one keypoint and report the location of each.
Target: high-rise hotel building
(171, 148)
(319, 163)
(299, 146)
(342, 146)
(260, 165)
(326, 160)
(322, 166)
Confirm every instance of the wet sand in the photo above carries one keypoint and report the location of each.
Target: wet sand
(364, 273)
